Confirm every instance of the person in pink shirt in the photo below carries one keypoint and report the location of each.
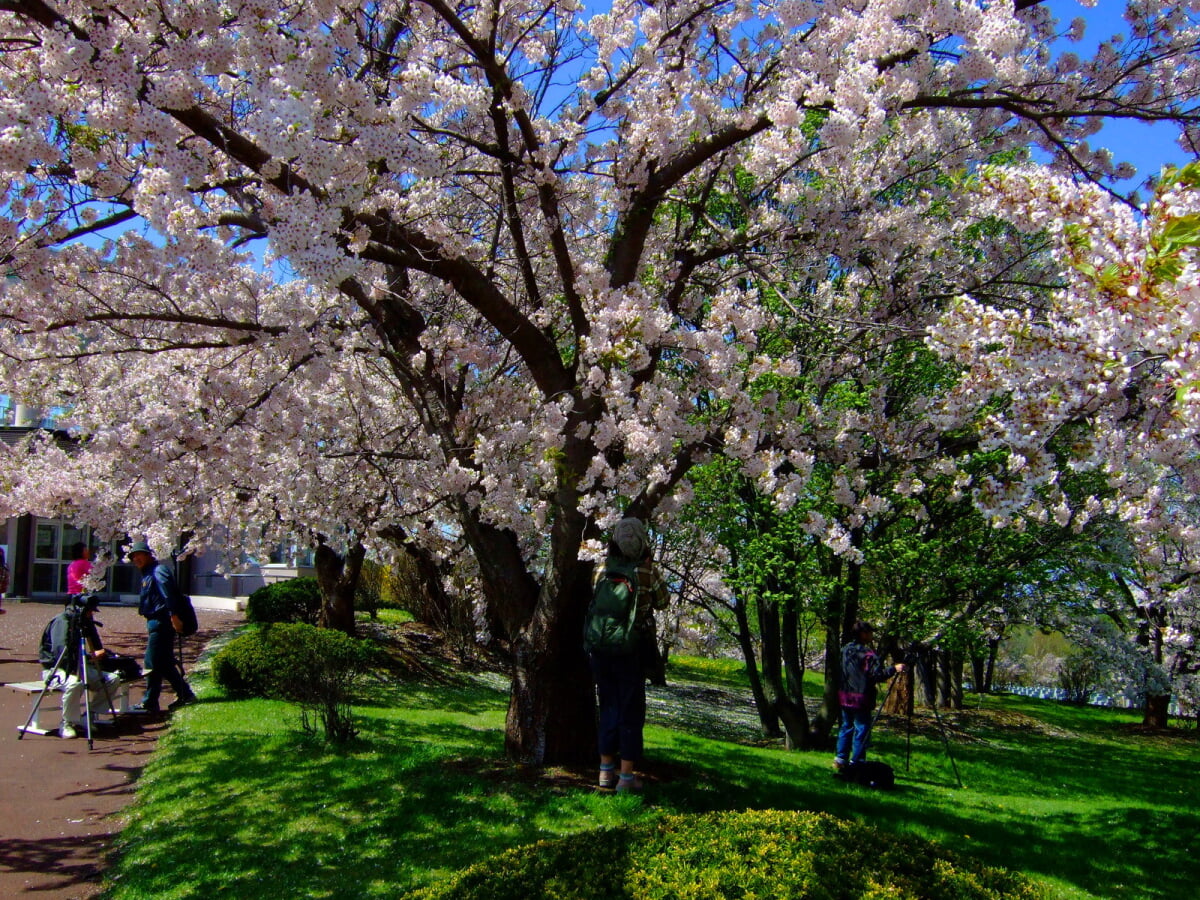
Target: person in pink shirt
(81, 564)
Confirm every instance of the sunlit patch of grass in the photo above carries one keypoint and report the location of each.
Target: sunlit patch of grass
(726, 671)
(386, 615)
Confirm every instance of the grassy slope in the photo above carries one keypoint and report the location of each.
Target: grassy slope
(237, 804)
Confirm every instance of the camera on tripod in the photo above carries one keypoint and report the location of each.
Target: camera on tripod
(80, 603)
(75, 661)
(126, 668)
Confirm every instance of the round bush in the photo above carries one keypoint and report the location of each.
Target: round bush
(294, 600)
(316, 668)
(760, 854)
(247, 665)
(291, 661)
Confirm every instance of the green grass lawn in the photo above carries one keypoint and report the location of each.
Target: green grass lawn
(237, 803)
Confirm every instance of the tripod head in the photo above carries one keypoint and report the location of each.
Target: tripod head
(78, 604)
(81, 602)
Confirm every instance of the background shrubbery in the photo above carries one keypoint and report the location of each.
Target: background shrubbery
(761, 853)
(314, 667)
(1079, 675)
(293, 600)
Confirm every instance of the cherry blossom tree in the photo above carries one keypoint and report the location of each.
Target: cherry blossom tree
(511, 263)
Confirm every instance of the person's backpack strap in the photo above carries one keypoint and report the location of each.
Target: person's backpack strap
(621, 569)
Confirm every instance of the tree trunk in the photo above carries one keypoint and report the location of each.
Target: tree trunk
(337, 577)
(954, 678)
(990, 675)
(766, 715)
(552, 707)
(1156, 713)
(793, 715)
(945, 680)
(771, 662)
(431, 604)
(978, 672)
(663, 648)
(793, 664)
(926, 672)
(839, 619)
(899, 700)
(830, 711)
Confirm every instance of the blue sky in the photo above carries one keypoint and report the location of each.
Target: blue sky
(1147, 147)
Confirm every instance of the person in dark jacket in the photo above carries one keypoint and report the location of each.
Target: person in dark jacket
(158, 602)
(862, 670)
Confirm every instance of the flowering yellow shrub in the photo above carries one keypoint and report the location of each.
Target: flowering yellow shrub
(754, 855)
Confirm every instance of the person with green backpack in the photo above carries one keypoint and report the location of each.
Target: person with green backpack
(618, 632)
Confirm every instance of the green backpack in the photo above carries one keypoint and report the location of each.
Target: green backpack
(609, 625)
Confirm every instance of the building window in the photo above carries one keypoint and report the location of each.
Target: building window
(54, 542)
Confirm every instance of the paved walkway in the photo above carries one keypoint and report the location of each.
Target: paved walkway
(60, 803)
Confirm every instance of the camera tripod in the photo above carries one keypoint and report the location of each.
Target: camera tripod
(917, 661)
(77, 668)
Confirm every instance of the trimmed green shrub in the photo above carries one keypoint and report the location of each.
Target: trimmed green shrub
(245, 666)
(754, 854)
(294, 600)
(316, 668)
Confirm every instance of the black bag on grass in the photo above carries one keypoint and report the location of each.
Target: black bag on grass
(870, 774)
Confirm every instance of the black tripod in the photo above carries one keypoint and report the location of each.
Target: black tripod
(78, 667)
(917, 661)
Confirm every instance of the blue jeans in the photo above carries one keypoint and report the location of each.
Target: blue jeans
(854, 736)
(621, 696)
(160, 663)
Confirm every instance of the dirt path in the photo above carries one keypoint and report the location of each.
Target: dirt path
(60, 803)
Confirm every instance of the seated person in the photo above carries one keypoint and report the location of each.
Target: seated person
(60, 644)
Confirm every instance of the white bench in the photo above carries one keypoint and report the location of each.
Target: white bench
(35, 687)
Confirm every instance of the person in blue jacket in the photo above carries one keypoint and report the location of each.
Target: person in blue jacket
(862, 670)
(158, 602)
